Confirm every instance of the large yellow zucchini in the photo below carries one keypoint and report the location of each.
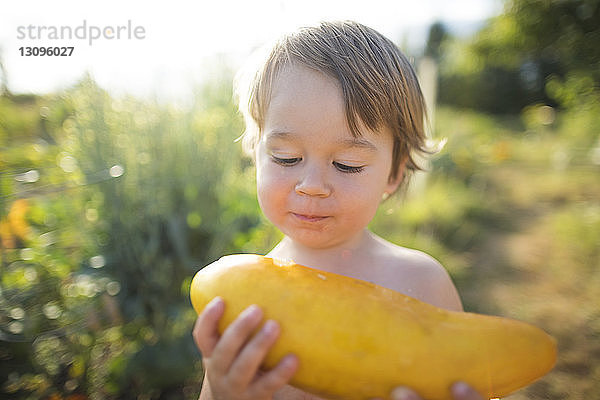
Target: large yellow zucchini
(357, 340)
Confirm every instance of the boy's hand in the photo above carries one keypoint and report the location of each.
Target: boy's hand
(460, 391)
(233, 360)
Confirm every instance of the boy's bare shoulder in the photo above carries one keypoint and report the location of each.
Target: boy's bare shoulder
(417, 274)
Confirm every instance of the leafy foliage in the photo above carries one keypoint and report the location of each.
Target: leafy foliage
(522, 55)
(109, 207)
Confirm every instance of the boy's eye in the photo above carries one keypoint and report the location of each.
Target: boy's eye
(348, 168)
(287, 161)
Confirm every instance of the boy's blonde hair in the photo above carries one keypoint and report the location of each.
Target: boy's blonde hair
(379, 86)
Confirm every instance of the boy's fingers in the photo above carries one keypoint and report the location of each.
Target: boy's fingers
(404, 393)
(462, 391)
(234, 338)
(205, 332)
(245, 367)
(277, 377)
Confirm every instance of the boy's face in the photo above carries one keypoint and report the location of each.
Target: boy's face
(316, 182)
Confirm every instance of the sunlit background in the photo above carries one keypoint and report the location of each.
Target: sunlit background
(183, 38)
(120, 177)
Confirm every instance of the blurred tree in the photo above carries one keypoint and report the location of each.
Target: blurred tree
(3, 78)
(517, 54)
(435, 39)
(557, 35)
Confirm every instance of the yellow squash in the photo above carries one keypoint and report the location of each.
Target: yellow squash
(357, 340)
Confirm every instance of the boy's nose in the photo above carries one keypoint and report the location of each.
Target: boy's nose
(313, 183)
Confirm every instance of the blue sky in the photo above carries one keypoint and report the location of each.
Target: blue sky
(182, 39)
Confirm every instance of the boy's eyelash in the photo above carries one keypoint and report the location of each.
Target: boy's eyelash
(286, 161)
(347, 168)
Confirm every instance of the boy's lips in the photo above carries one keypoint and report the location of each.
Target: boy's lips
(309, 217)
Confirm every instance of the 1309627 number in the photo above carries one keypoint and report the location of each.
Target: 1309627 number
(46, 51)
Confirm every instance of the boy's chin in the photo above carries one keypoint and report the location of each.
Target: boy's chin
(317, 240)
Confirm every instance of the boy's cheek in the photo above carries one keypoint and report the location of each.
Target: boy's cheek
(270, 195)
(272, 176)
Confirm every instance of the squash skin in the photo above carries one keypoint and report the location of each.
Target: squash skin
(358, 340)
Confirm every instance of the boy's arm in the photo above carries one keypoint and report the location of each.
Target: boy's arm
(444, 293)
(431, 283)
(205, 393)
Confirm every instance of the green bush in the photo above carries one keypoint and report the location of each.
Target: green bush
(130, 198)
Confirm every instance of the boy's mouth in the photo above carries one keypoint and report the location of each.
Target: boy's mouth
(309, 218)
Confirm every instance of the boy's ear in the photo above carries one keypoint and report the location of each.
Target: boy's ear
(395, 180)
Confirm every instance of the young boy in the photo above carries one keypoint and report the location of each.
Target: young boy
(334, 120)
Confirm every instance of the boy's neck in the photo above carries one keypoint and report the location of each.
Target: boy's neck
(334, 259)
